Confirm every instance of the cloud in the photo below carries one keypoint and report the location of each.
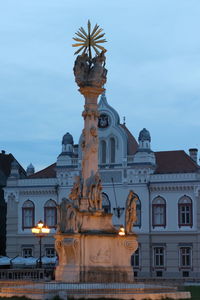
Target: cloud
(153, 71)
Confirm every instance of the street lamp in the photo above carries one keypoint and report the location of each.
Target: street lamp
(121, 231)
(40, 230)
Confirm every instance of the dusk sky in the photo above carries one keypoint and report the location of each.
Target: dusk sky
(153, 62)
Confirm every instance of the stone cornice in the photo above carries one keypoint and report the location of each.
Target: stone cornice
(38, 192)
(37, 182)
(175, 177)
(171, 187)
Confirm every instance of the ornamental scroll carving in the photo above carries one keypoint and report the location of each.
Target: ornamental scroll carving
(67, 250)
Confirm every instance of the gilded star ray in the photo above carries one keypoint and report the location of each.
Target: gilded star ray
(90, 40)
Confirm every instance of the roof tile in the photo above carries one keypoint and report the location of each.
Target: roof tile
(48, 172)
(132, 143)
(174, 162)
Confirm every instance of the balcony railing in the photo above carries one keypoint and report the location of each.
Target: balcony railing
(26, 274)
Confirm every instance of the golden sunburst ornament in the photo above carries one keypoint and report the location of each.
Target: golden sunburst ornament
(89, 40)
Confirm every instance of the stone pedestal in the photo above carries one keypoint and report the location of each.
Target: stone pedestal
(95, 256)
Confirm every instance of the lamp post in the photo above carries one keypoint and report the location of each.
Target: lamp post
(40, 230)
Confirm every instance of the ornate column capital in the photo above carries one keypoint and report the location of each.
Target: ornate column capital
(91, 93)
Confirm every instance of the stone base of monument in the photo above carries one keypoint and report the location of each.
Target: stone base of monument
(94, 274)
(95, 258)
(95, 255)
(132, 291)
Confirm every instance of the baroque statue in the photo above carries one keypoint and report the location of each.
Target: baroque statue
(90, 75)
(76, 191)
(68, 218)
(130, 214)
(86, 240)
(90, 71)
(94, 192)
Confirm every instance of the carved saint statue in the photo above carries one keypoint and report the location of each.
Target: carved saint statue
(94, 192)
(81, 69)
(97, 74)
(130, 215)
(76, 191)
(90, 72)
(67, 217)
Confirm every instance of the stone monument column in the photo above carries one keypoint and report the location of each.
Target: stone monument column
(90, 76)
(86, 240)
(90, 175)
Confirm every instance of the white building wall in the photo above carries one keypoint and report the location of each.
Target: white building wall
(130, 174)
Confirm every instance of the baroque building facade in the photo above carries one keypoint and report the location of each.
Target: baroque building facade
(167, 184)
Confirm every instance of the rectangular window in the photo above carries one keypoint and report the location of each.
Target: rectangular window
(28, 217)
(27, 252)
(50, 216)
(50, 252)
(159, 257)
(103, 152)
(135, 259)
(185, 214)
(112, 150)
(185, 257)
(159, 215)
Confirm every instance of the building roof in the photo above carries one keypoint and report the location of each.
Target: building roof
(49, 172)
(67, 139)
(144, 135)
(166, 161)
(174, 162)
(132, 143)
(5, 164)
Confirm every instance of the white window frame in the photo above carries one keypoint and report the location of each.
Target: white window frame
(164, 257)
(50, 211)
(28, 211)
(50, 248)
(159, 212)
(27, 248)
(184, 203)
(188, 267)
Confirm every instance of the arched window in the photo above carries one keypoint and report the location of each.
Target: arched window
(28, 214)
(138, 213)
(112, 150)
(105, 203)
(159, 212)
(103, 152)
(50, 213)
(185, 217)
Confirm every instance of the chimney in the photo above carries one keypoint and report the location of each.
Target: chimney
(193, 154)
(3, 151)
